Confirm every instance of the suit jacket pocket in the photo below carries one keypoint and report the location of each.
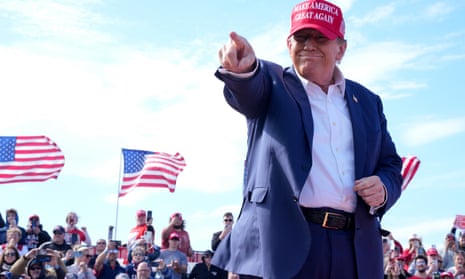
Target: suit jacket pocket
(258, 194)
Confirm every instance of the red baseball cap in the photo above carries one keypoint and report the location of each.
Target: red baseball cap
(432, 252)
(174, 235)
(176, 214)
(320, 15)
(140, 213)
(447, 273)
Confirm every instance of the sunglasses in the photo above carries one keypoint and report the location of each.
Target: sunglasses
(139, 255)
(228, 220)
(36, 268)
(101, 243)
(10, 254)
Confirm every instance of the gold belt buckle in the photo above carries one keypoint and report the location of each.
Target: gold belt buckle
(325, 220)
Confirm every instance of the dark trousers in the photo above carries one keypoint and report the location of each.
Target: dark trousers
(331, 256)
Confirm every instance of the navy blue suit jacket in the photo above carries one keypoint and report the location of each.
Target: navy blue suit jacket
(271, 238)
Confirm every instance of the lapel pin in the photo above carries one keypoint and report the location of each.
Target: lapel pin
(355, 99)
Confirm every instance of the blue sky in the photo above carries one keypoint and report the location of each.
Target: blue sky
(98, 76)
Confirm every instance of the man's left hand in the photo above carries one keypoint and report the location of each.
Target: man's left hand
(371, 190)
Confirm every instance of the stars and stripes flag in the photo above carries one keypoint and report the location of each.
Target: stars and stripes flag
(150, 169)
(29, 159)
(410, 166)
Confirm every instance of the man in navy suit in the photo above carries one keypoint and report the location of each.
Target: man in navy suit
(321, 168)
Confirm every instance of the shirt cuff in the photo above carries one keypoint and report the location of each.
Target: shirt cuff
(239, 75)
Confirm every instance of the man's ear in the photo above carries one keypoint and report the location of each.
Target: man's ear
(342, 50)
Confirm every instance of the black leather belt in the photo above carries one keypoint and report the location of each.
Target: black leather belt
(329, 218)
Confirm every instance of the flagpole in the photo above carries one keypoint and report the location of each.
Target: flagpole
(117, 201)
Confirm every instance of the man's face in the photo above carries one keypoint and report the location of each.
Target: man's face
(11, 217)
(174, 243)
(141, 219)
(101, 244)
(314, 56)
(143, 271)
(420, 265)
(228, 220)
(462, 241)
(35, 271)
(58, 237)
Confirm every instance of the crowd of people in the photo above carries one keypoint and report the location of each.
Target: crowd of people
(69, 253)
(32, 253)
(416, 261)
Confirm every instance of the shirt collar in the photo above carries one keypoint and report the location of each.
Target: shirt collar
(339, 81)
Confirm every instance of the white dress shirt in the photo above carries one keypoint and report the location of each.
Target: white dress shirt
(331, 179)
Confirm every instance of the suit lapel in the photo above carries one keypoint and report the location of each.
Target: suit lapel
(295, 88)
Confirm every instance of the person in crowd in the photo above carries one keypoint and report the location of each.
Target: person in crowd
(143, 271)
(100, 246)
(80, 268)
(107, 265)
(394, 270)
(400, 260)
(139, 230)
(37, 265)
(73, 235)
(308, 157)
(137, 256)
(461, 244)
(12, 220)
(35, 234)
(13, 237)
(152, 252)
(447, 275)
(177, 224)
(421, 267)
(415, 247)
(228, 221)
(175, 260)
(450, 246)
(459, 261)
(58, 242)
(8, 257)
(205, 270)
(434, 266)
(459, 271)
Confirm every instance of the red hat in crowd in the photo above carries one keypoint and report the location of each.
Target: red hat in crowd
(432, 252)
(140, 213)
(176, 214)
(320, 15)
(446, 274)
(174, 235)
(34, 217)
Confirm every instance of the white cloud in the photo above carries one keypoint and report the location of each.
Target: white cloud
(429, 130)
(438, 10)
(63, 20)
(376, 15)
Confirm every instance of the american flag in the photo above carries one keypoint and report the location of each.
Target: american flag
(150, 169)
(29, 159)
(410, 166)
